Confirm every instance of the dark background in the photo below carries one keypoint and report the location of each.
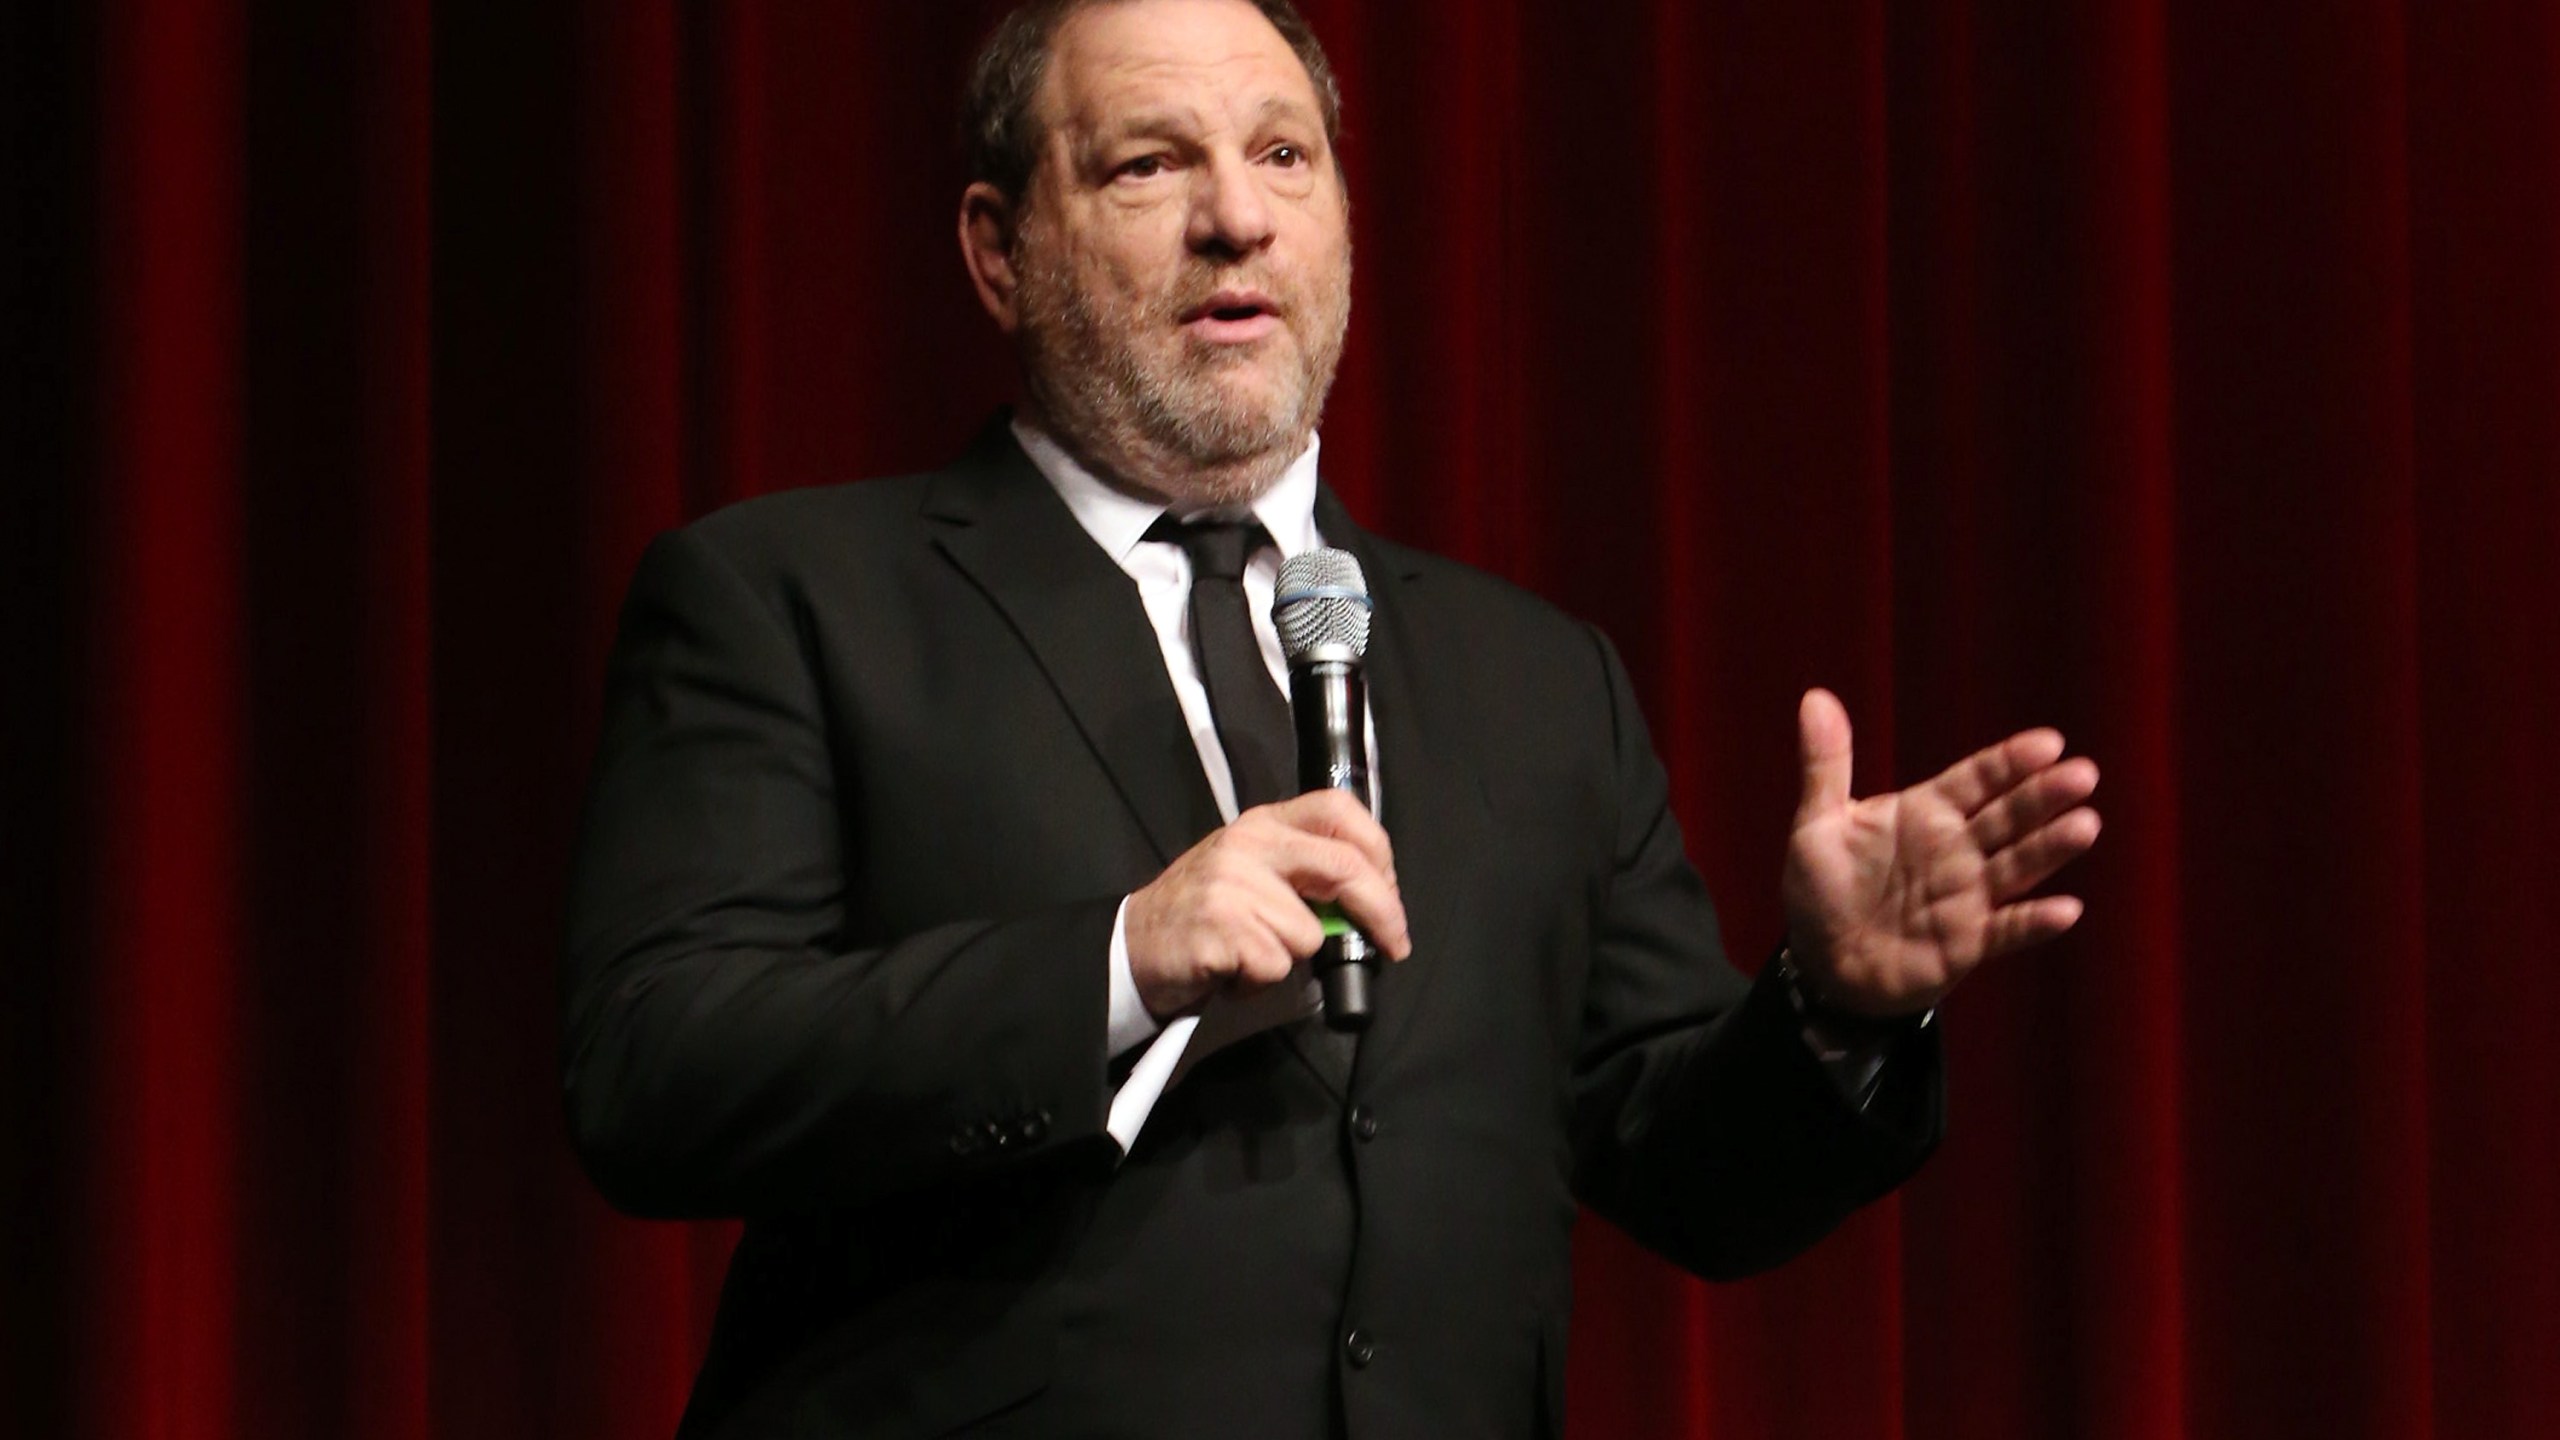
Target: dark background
(2186, 375)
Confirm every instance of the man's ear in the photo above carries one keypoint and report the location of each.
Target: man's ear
(987, 221)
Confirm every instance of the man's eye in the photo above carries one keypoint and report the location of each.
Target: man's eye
(1287, 156)
(1145, 167)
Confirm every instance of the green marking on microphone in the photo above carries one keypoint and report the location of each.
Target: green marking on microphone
(1335, 927)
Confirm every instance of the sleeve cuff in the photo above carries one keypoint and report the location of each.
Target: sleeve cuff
(1130, 1025)
(1853, 1052)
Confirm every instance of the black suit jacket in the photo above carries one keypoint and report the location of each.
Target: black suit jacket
(879, 763)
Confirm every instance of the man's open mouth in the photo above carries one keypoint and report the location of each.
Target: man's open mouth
(1231, 307)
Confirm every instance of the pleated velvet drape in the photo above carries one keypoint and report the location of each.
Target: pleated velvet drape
(2183, 374)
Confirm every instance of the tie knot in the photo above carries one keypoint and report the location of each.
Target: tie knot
(1218, 548)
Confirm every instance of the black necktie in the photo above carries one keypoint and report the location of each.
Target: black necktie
(1251, 715)
(1252, 718)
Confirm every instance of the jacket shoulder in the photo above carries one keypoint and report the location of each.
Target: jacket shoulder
(1495, 610)
(787, 531)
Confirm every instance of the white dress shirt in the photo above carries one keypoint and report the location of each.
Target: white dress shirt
(1118, 522)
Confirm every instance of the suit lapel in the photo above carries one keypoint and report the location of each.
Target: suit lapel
(1431, 798)
(1080, 616)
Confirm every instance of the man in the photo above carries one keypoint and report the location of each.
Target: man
(940, 908)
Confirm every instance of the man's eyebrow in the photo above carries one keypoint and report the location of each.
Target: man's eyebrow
(1183, 123)
(1148, 122)
(1281, 107)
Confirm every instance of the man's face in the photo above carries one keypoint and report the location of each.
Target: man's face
(1184, 256)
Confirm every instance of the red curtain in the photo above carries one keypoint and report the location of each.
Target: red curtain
(2186, 375)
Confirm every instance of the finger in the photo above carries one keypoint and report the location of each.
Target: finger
(2030, 922)
(2033, 860)
(1241, 925)
(1823, 745)
(1262, 959)
(1317, 866)
(1375, 907)
(1265, 962)
(1325, 869)
(1368, 900)
(1283, 913)
(2034, 802)
(1986, 775)
(1336, 815)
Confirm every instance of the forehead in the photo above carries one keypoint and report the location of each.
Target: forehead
(1204, 59)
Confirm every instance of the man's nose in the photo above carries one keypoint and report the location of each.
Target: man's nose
(1230, 212)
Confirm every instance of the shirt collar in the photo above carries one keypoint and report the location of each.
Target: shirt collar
(1117, 521)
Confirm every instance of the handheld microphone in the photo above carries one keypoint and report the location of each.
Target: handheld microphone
(1321, 610)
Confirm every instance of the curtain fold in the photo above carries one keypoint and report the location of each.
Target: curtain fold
(2185, 377)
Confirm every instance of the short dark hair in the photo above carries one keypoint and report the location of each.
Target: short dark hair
(999, 117)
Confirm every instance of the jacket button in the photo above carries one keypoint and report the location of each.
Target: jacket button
(997, 1135)
(1364, 1122)
(1035, 1127)
(1359, 1349)
(963, 1143)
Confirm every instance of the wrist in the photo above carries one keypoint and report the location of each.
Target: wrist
(1831, 1023)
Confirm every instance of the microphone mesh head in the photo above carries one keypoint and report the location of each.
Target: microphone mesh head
(1322, 600)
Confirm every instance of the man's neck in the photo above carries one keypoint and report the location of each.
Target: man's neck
(1118, 520)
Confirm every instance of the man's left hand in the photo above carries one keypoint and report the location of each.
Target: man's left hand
(1893, 899)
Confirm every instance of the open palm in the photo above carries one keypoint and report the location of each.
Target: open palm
(1893, 899)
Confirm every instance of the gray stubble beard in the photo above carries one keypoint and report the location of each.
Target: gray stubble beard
(1178, 436)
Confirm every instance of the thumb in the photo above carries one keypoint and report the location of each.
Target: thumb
(1822, 737)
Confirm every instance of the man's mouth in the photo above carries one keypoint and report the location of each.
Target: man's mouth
(1232, 317)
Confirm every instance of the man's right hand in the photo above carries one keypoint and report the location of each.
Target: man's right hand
(1234, 910)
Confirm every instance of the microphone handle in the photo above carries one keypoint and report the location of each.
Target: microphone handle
(1329, 705)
